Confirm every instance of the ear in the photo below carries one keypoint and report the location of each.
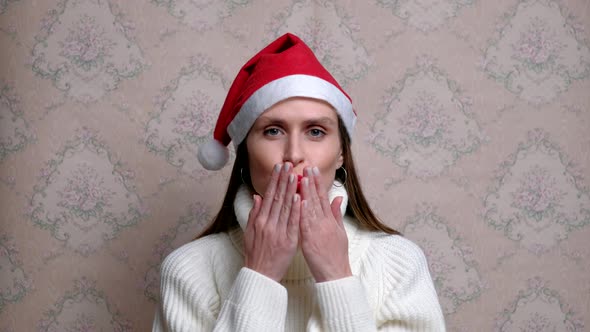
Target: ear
(340, 160)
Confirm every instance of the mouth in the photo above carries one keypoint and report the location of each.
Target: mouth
(299, 177)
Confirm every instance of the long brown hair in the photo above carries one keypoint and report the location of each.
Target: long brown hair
(357, 203)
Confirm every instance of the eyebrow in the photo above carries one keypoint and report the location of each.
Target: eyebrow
(321, 120)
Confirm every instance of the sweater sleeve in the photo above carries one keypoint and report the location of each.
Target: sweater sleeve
(408, 299)
(190, 300)
(255, 303)
(344, 306)
(393, 292)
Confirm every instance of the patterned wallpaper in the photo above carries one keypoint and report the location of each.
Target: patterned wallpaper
(472, 140)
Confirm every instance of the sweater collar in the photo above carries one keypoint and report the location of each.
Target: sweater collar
(298, 269)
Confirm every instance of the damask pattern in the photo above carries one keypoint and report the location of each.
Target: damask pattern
(4, 4)
(184, 116)
(15, 132)
(538, 196)
(85, 196)
(185, 230)
(454, 270)
(538, 308)
(539, 51)
(427, 124)
(84, 48)
(425, 15)
(15, 283)
(83, 308)
(328, 41)
(201, 15)
(471, 140)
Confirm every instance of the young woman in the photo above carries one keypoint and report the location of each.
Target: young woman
(295, 246)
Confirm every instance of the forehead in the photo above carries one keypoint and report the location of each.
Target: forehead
(300, 109)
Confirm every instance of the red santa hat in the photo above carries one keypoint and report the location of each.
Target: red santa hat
(285, 68)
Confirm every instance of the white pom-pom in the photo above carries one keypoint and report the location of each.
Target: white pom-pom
(213, 155)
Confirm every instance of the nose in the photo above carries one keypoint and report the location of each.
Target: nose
(294, 152)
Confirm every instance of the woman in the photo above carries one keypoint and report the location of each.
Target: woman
(295, 246)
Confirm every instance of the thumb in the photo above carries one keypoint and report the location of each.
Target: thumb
(335, 207)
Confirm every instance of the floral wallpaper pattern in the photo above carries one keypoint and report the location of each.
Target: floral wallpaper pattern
(538, 198)
(14, 130)
(539, 51)
(432, 126)
(471, 140)
(84, 197)
(15, 283)
(84, 49)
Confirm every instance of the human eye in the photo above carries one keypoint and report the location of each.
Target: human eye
(317, 133)
(272, 131)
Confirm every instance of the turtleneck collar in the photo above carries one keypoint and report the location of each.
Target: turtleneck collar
(298, 269)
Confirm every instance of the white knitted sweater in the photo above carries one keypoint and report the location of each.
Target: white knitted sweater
(204, 287)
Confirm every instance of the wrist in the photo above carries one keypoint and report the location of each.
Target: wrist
(269, 273)
(331, 276)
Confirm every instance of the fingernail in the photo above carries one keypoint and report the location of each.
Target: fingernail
(304, 203)
(277, 168)
(295, 198)
(287, 167)
(316, 171)
(308, 171)
(291, 178)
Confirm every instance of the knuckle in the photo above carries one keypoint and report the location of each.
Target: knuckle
(267, 232)
(285, 209)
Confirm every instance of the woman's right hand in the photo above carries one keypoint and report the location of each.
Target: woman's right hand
(272, 234)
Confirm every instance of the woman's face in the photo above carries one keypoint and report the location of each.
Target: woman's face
(301, 131)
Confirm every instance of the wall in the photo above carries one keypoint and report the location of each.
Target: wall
(472, 140)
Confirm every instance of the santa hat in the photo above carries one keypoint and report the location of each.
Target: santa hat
(285, 68)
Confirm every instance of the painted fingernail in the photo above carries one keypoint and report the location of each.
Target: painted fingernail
(308, 171)
(316, 171)
(305, 181)
(287, 167)
(295, 198)
(291, 178)
(277, 168)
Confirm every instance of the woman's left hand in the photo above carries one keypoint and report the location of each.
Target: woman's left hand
(323, 238)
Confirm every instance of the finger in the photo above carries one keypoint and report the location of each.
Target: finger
(253, 212)
(279, 196)
(322, 194)
(288, 202)
(335, 208)
(305, 188)
(294, 218)
(304, 219)
(313, 192)
(270, 190)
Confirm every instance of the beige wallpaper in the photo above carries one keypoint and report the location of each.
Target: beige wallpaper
(472, 140)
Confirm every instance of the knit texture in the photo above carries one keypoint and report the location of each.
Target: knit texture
(204, 287)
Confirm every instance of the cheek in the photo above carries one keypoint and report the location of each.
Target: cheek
(328, 178)
(261, 166)
(328, 172)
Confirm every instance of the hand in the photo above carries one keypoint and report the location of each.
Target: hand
(272, 233)
(323, 238)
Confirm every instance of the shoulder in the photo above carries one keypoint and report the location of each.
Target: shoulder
(198, 256)
(402, 284)
(193, 276)
(396, 247)
(396, 258)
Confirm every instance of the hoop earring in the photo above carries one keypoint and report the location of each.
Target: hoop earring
(345, 177)
(242, 176)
